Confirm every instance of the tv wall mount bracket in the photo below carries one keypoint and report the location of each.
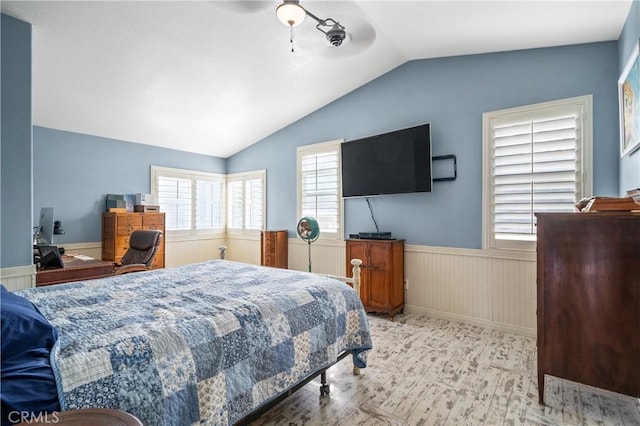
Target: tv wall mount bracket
(455, 167)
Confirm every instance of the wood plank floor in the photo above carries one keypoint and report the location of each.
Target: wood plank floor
(427, 371)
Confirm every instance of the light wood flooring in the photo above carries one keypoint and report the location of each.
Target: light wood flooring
(427, 371)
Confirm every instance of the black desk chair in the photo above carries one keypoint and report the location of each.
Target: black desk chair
(143, 245)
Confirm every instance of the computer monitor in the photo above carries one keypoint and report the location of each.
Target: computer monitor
(44, 232)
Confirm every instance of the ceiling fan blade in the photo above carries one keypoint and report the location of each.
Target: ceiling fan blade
(243, 6)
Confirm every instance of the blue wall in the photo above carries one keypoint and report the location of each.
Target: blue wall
(15, 150)
(629, 164)
(451, 93)
(73, 172)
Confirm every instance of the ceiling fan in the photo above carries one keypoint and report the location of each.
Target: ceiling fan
(290, 13)
(360, 35)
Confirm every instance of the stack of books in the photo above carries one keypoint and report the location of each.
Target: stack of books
(613, 204)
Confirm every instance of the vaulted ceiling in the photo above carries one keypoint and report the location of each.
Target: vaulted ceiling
(214, 77)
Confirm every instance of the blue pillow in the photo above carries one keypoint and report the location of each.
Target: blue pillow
(28, 384)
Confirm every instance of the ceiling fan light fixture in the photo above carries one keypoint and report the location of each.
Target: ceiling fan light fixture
(290, 13)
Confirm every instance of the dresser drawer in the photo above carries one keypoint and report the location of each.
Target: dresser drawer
(155, 227)
(153, 219)
(126, 229)
(122, 245)
(129, 219)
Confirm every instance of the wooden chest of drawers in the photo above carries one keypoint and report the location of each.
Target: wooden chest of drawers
(273, 249)
(117, 228)
(588, 296)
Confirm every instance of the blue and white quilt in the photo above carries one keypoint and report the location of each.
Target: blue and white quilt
(206, 343)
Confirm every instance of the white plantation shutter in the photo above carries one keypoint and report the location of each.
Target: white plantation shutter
(246, 201)
(193, 202)
(235, 202)
(174, 197)
(254, 208)
(536, 163)
(209, 204)
(319, 185)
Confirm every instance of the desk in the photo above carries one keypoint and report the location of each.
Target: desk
(74, 270)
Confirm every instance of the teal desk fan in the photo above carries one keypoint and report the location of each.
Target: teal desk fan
(309, 230)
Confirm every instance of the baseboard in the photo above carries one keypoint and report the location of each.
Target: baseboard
(509, 328)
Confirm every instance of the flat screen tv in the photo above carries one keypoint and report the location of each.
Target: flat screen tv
(390, 163)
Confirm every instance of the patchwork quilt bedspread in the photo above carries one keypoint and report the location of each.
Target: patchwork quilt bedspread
(206, 343)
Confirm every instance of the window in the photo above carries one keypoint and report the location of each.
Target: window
(246, 201)
(319, 193)
(193, 201)
(536, 159)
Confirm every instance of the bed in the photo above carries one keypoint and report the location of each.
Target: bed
(207, 343)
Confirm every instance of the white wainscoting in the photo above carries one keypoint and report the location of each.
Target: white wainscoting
(18, 277)
(22, 277)
(480, 287)
(178, 250)
(327, 257)
(244, 248)
(182, 251)
(87, 249)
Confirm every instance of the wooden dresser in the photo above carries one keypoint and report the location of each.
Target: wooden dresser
(274, 249)
(382, 273)
(117, 227)
(588, 283)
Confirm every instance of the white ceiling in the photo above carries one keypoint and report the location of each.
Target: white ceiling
(214, 77)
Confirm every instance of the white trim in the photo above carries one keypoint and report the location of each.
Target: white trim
(18, 277)
(484, 253)
(493, 325)
(156, 171)
(82, 246)
(315, 149)
(18, 271)
(327, 242)
(585, 103)
(243, 236)
(242, 177)
(195, 237)
(180, 172)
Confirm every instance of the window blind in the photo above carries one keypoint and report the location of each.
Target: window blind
(235, 203)
(246, 201)
(174, 197)
(209, 204)
(193, 201)
(536, 169)
(253, 203)
(320, 196)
